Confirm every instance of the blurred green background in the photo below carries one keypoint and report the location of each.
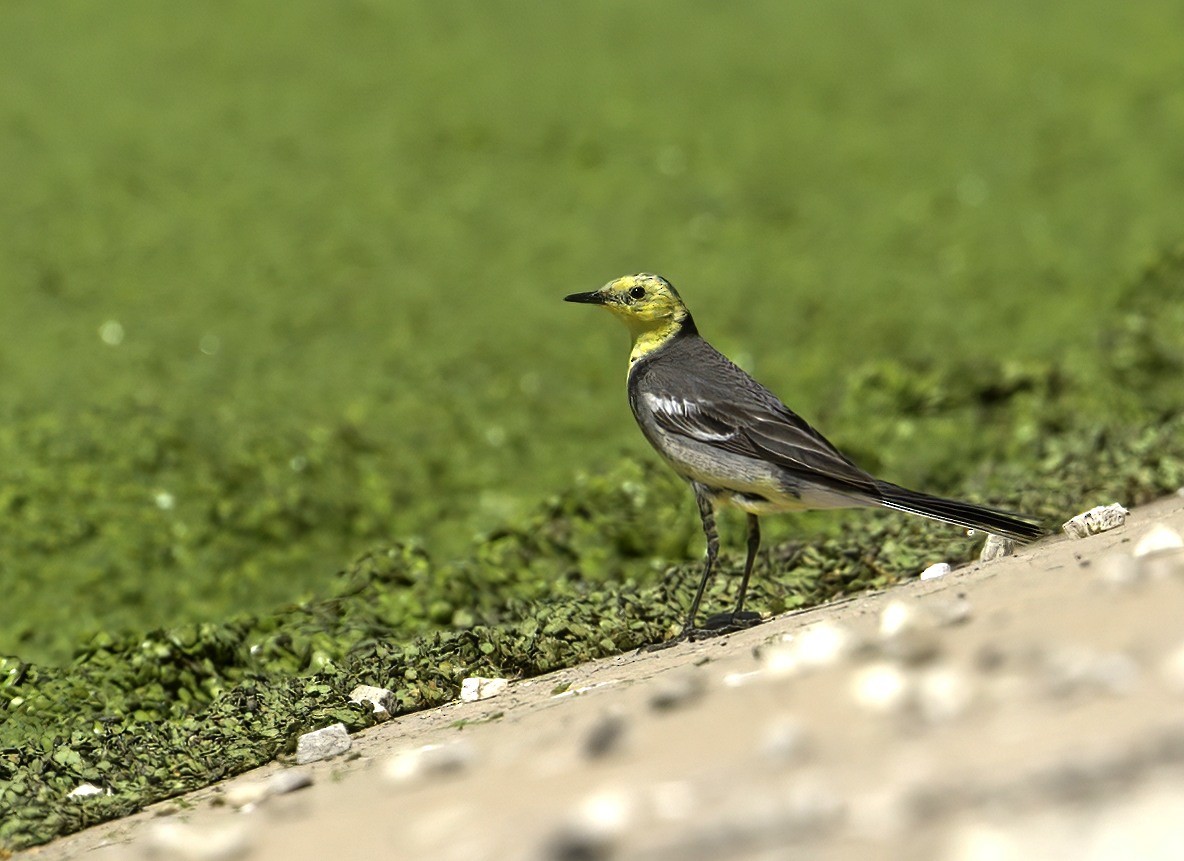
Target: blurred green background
(281, 281)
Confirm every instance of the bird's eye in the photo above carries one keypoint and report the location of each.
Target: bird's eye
(637, 292)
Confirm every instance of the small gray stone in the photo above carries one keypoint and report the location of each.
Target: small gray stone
(322, 744)
(289, 780)
(605, 737)
(996, 547)
(248, 795)
(677, 690)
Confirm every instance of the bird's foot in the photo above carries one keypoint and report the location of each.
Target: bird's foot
(713, 626)
(684, 637)
(726, 623)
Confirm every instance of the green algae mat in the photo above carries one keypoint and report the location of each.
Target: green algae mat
(289, 400)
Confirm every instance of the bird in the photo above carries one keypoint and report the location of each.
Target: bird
(738, 445)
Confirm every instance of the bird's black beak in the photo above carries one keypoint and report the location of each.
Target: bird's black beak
(594, 298)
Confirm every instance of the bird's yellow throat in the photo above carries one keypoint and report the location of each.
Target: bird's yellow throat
(649, 336)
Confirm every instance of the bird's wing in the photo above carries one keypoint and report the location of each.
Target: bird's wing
(780, 438)
(728, 410)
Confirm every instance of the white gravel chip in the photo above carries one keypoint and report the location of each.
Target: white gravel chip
(1160, 538)
(898, 616)
(812, 648)
(381, 700)
(940, 569)
(1101, 518)
(996, 547)
(943, 694)
(247, 796)
(882, 688)
(177, 841)
(477, 688)
(431, 760)
(322, 744)
(903, 617)
(594, 829)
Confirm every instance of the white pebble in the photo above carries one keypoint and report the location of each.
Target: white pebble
(177, 841)
(822, 644)
(86, 790)
(1100, 518)
(381, 700)
(594, 829)
(431, 760)
(996, 547)
(246, 796)
(940, 569)
(943, 693)
(898, 617)
(1158, 539)
(477, 688)
(813, 647)
(322, 744)
(882, 688)
(607, 812)
(981, 842)
(737, 680)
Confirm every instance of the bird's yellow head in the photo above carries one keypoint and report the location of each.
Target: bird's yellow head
(648, 305)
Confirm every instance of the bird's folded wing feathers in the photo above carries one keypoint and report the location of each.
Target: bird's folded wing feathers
(773, 434)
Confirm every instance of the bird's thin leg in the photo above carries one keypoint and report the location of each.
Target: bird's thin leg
(738, 619)
(754, 544)
(707, 513)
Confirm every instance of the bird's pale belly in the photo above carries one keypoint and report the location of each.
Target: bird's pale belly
(751, 485)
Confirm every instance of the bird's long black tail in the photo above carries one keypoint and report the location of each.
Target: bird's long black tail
(964, 514)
